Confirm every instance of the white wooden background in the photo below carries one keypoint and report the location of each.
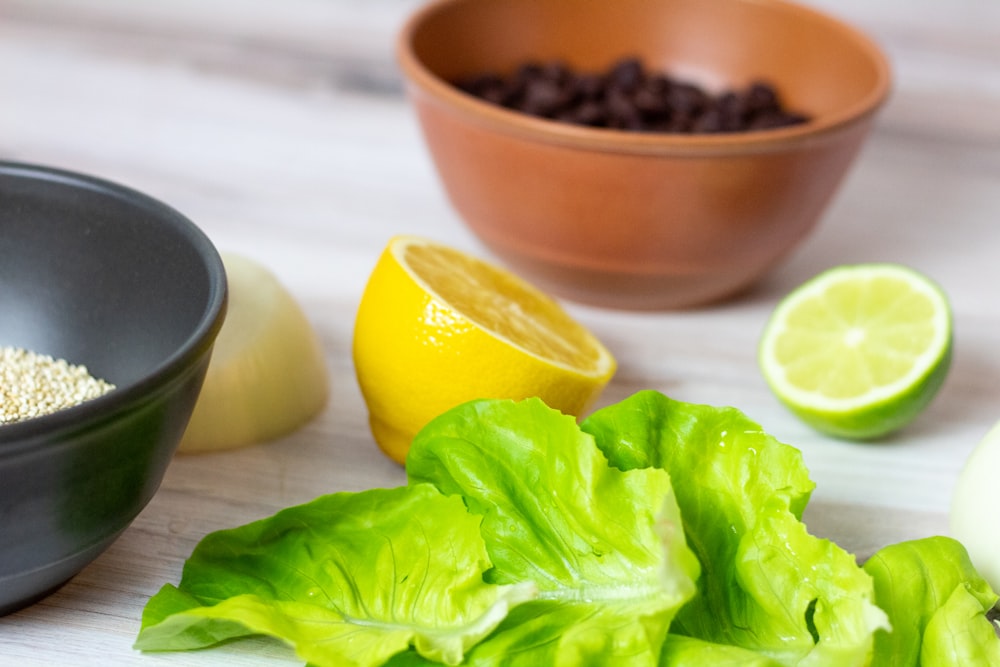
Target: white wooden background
(280, 128)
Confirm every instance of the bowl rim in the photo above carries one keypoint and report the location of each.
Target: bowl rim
(611, 140)
(173, 367)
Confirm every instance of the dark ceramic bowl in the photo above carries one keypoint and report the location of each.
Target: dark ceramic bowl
(100, 275)
(642, 220)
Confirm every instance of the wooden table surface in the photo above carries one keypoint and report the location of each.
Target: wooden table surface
(280, 128)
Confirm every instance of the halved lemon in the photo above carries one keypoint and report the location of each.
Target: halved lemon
(859, 350)
(437, 327)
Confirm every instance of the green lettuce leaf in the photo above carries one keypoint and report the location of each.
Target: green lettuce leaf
(555, 633)
(767, 585)
(682, 651)
(349, 579)
(937, 604)
(605, 547)
(653, 534)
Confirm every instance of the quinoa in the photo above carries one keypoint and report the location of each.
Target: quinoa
(32, 385)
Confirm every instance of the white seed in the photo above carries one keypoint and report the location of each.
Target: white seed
(32, 385)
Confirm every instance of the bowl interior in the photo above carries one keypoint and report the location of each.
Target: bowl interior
(821, 66)
(90, 274)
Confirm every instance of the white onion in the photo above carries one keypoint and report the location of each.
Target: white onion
(267, 376)
(975, 507)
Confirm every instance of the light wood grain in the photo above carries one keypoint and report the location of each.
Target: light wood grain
(280, 128)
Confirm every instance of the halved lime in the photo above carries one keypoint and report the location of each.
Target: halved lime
(859, 350)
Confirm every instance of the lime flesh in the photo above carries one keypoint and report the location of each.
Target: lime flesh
(860, 350)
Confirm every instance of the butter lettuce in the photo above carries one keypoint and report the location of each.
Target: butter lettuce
(605, 548)
(683, 651)
(654, 533)
(937, 604)
(348, 579)
(767, 585)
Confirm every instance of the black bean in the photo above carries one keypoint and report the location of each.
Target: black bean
(688, 99)
(709, 122)
(627, 96)
(590, 86)
(651, 99)
(590, 113)
(626, 75)
(762, 97)
(543, 98)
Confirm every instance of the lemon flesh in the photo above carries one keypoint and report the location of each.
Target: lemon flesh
(859, 350)
(437, 327)
(267, 376)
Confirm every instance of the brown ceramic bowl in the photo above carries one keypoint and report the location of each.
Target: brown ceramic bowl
(642, 220)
